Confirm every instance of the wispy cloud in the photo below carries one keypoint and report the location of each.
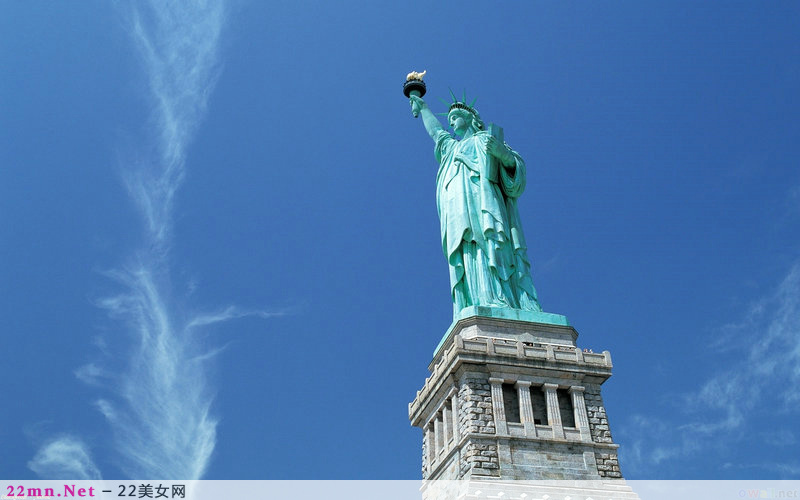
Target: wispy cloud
(784, 469)
(227, 314)
(65, 457)
(161, 415)
(165, 427)
(160, 406)
(766, 374)
(178, 42)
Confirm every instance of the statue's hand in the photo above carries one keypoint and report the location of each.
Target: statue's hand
(417, 105)
(500, 151)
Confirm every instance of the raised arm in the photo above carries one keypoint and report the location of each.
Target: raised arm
(432, 124)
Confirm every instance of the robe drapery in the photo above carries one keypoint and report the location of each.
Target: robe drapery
(482, 237)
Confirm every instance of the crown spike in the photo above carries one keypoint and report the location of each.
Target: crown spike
(455, 99)
(464, 93)
(472, 104)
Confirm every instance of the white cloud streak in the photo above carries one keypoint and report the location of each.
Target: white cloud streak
(767, 375)
(161, 417)
(228, 314)
(178, 42)
(160, 409)
(65, 457)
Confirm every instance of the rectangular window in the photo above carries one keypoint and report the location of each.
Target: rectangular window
(448, 426)
(511, 403)
(539, 406)
(565, 408)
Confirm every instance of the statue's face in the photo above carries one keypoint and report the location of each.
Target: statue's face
(459, 121)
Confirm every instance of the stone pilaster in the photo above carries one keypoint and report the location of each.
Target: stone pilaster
(579, 407)
(430, 449)
(553, 413)
(526, 407)
(497, 405)
(438, 435)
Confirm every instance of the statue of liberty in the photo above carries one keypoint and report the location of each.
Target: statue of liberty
(477, 186)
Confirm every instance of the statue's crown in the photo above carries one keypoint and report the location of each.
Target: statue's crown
(464, 106)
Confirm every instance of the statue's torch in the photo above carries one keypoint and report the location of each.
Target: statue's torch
(414, 86)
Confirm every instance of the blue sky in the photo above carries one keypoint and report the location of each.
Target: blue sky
(220, 252)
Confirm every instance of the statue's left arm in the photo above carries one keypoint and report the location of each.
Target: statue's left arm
(512, 172)
(501, 152)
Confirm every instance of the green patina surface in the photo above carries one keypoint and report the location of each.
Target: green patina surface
(479, 181)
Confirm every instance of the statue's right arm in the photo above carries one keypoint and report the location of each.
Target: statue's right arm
(432, 124)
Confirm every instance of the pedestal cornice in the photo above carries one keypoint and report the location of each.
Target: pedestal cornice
(511, 323)
(491, 342)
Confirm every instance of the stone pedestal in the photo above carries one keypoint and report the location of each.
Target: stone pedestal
(512, 400)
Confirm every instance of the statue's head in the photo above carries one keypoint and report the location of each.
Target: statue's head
(463, 117)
